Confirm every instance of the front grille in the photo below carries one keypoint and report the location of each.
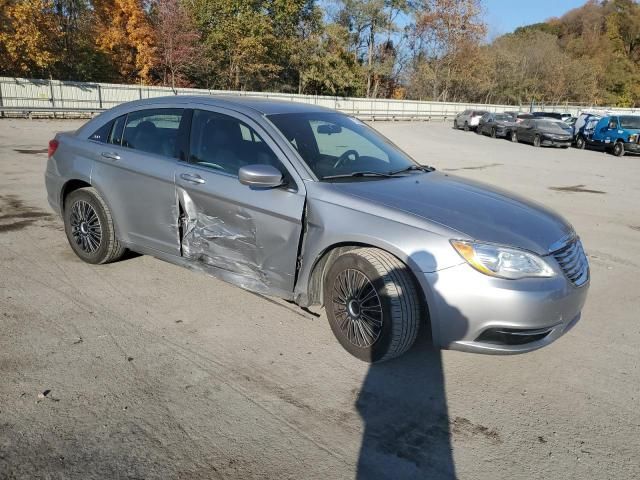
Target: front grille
(573, 262)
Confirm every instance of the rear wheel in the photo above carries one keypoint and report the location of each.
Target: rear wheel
(618, 149)
(89, 227)
(536, 141)
(580, 143)
(455, 124)
(372, 304)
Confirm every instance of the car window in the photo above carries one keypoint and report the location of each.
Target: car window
(153, 131)
(632, 122)
(102, 134)
(115, 136)
(226, 144)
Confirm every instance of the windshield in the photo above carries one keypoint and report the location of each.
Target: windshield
(553, 126)
(630, 122)
(336, 144)
(503, 117)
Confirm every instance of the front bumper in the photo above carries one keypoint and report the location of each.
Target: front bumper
(467, 307)
(632, 147)
(554, 142)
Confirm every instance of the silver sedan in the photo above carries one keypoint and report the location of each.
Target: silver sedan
(313, 206)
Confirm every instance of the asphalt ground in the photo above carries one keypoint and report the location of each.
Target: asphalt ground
(142, 369)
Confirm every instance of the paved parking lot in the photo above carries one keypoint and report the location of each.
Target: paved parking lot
(142, 369)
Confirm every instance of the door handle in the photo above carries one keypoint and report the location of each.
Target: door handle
(111, 155)
(188, 177)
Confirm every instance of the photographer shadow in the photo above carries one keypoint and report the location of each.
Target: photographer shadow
(403, 406)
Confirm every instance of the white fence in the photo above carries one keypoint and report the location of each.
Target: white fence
(27, 96)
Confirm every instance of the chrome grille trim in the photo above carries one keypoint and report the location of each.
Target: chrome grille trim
(573, 262)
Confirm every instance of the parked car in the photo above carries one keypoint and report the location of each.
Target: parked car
(518, 117)
(468, 120)
(313, 206)
(543, 132)
(495, 124)
(555, 115)
(618, 134)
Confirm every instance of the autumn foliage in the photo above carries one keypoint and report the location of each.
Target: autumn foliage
(423, 49)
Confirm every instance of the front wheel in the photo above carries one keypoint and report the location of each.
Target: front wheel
(580, 143)
(493, 132)
(514, 137)
(618, 149)
(536, 141)
(89, 227)
(466, 126)
(372, 304)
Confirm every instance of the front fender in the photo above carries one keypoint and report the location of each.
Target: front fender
(329, 226)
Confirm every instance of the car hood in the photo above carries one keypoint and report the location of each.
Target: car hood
(477, 210)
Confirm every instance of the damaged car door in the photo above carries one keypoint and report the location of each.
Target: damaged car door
(244, 234)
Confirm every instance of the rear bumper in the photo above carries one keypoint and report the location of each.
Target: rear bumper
(476, 313)
(54, 184)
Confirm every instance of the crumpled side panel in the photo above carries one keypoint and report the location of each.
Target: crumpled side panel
(228, 252)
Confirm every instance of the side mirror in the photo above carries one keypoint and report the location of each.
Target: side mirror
(261, 176)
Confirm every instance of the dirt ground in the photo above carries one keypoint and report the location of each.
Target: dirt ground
(141, 369)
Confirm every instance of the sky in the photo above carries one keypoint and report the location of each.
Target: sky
(504, 16)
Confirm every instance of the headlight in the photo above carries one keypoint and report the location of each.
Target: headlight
(502, 262)
(633, 138)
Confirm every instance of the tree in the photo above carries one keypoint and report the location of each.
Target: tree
(443, 30)
(177, 41)
(28, 36)
(372, 27)
(125, 35)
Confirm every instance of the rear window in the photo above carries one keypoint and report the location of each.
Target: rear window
(153, 131)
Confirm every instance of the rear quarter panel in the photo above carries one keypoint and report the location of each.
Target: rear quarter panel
(71, 161)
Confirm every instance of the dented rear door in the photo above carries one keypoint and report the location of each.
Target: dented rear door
(244, 235)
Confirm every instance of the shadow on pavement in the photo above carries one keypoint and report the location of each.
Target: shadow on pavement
(403, 406)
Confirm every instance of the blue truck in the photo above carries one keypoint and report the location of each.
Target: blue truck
(618, 134)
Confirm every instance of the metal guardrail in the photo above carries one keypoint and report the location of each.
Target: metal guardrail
(54, 97)
(29, 111)
(396, 115)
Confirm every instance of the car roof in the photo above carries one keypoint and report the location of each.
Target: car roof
(244, 103)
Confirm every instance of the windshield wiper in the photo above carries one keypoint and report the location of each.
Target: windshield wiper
(380, 174)
(357, 174)
(410, 168)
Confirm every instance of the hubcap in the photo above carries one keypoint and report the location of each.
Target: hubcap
(85, 226)
(357, 308)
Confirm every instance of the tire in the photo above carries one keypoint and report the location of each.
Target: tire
(466, 126)
(455, 124)
(514, 136)
(536, 141)
(618, 149)
(493, 132)
(391, 298)
(580, 143)
(89, 227)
